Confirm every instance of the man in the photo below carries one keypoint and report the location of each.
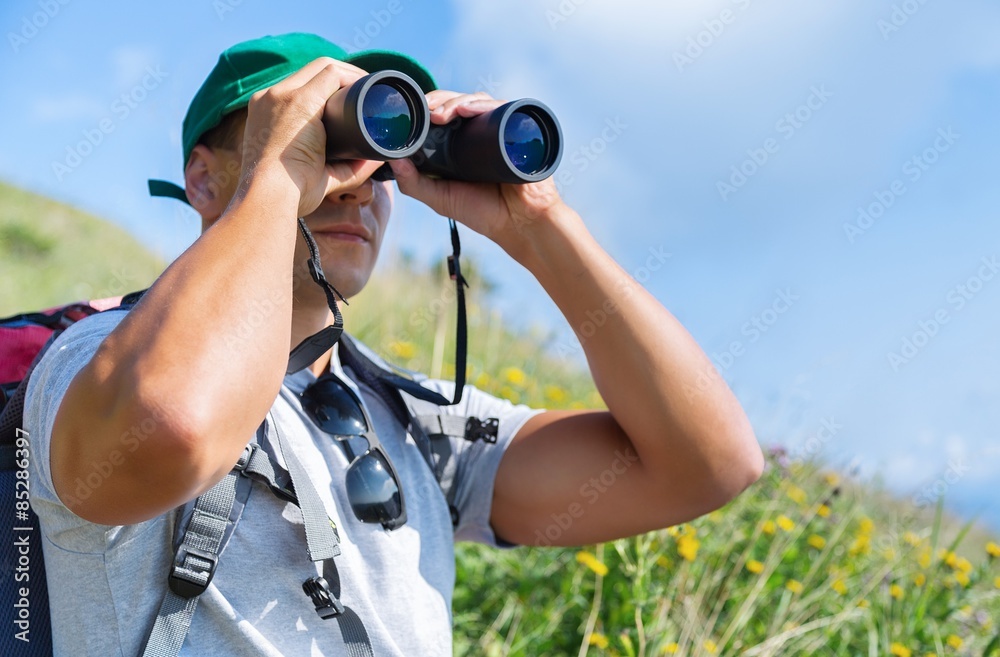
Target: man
(133, 414)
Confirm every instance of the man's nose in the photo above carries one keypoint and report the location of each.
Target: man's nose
(360, 195)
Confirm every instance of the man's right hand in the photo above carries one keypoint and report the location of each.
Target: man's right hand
(204, 354)
(285, 136)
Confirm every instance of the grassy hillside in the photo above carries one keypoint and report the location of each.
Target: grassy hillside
(51, 254)
(809, 561)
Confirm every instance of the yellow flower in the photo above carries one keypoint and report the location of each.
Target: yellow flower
(996, 582)
(796, 494)
(482, 380)
(896, 591)
(993, 550)
(555, 394)
(912, 538)
(674, 531)
(715, 516)
(794, 586)
(514, 375)
(599, 640)
(900, 650)
(403, 349)
(866, 526)
(755, 567)
(510, 394)
(920, 579)
(863, 604)
(817, 541)
(687, 547)
(889, 554)
(962, 578)
(671, 648)
(823, 511)
(931, 654)
(710, 647)
(663, 561)
(963, 564)
(786, 523)
(955, 641)
(951, 559)
(768, 527)
(861, 545)
(839, 586)
(592, 562)
(831, 478)
(925, 559)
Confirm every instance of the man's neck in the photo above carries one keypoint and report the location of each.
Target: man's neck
(306, 322)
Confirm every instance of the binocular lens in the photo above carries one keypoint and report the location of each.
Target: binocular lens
(387, 117)
(525, 143)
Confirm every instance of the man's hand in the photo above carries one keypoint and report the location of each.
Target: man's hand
(285, 134)
(501, 212)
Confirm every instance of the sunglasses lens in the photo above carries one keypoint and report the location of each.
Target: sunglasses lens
(372, 490)
(334, 409)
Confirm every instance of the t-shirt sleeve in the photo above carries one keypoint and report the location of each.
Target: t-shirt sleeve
(67, 355)
(477, 462)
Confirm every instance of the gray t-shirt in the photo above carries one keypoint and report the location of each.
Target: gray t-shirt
(106, 583)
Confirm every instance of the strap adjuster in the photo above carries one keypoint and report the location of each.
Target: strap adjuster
(326, 603)
(485, 430)
(180, 579)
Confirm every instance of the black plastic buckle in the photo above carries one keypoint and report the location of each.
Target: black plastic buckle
(327, 605)
(180, 583)
(485, 430)
(452, 269)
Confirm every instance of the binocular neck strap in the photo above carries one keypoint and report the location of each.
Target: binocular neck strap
(319, 343)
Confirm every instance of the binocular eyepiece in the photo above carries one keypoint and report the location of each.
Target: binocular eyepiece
(384, 116)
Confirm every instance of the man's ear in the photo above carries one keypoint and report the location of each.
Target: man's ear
(203, 183)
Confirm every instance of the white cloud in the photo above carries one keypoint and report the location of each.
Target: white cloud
(70, 107)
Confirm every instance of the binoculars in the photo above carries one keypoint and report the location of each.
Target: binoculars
(384, 116)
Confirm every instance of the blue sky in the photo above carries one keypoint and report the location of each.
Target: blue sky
(741, 137)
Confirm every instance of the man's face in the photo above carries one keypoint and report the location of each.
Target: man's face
(348, 227)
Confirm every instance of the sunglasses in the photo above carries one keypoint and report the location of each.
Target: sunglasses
(372, 483)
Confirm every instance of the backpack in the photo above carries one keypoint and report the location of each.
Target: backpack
(202, 526)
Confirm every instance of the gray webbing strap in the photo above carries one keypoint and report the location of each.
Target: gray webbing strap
(322, 541)
(323, 545)
(193, 568)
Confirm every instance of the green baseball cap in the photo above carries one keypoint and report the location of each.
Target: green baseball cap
(248, 67)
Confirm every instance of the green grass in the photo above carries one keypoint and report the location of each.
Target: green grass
(52, 254)
(807, 562)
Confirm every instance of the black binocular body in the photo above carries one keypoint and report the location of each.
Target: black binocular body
(384, 116)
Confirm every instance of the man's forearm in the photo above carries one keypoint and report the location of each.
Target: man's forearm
(643, 361)
(189, 354)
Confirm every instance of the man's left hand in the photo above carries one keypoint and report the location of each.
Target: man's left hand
(502, 212)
